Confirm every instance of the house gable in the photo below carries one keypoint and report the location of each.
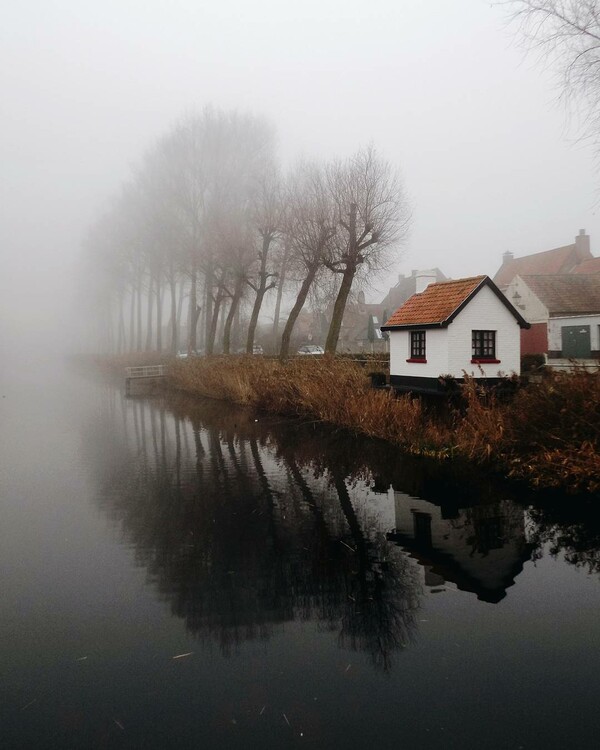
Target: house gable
(526, 301)
(440, 303)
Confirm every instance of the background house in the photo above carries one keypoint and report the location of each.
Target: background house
(564, 313)
(569, 259)
(452, 327)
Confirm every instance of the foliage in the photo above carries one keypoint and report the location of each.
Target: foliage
(532, 362)
(546, 434)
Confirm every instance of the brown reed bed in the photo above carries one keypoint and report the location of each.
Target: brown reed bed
(546, 435)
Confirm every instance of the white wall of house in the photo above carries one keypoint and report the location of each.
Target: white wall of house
(526, 302)
(436, 346)
(448, 350)
(485, 312)
(556, 324)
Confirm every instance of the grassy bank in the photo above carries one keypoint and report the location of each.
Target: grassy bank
(547, 435)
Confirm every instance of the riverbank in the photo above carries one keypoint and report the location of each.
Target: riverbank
(546, 435)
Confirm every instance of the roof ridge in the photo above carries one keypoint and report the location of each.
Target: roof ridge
(544, 252)
(455, 281)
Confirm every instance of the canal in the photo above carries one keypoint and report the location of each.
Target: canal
(186, 574)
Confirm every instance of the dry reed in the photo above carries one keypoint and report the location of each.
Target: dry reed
(546, 435)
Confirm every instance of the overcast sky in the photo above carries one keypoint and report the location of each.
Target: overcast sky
(440, 87)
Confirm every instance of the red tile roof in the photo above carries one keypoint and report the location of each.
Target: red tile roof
(567, 294)
(436, 304)
(559, 260)
(442, 301)
(588, 266)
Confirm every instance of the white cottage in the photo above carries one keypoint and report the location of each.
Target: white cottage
(453, 327)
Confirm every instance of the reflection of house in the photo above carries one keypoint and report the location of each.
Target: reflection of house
(452, 327)
(575, 258)
(564, 312)
(480, 549)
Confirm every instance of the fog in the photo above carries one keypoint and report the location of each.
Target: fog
(490, 160)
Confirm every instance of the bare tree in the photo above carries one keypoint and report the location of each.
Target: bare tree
(209, 157)
(372, 217)
(267, 216)
(239, 256)
(282, 262)
(310, 229)
(566, 33)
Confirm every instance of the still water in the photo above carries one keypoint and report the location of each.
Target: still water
(184, 574)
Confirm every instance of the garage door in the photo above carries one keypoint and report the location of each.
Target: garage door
(576, 342)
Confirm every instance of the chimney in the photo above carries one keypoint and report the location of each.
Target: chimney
(507, 257)
(423, 279)
(582, 245)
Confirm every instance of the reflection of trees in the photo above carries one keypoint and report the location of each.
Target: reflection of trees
(239, 536)
(244, 525)
(573, 530)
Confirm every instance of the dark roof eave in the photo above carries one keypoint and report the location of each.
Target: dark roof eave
(406, 326)
(571, 314)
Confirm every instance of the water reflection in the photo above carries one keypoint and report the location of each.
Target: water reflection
(244, 524)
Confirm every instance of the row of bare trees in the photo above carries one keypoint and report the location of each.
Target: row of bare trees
(208, 224)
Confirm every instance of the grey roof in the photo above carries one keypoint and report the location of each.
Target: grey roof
(566, 294)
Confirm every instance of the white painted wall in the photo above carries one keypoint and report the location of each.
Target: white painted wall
(486, 313)
(448, 350)
(555, 325)
(436, 352)
(527, 303)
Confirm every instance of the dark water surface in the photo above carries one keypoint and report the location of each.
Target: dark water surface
(319, 591)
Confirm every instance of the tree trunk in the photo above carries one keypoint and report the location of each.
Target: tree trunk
(121, 325)
(212, 332)
(139, 312)
(235, 301)
(209, 283)
(193, 317)
(132, 320)
(295, 311)
(278, 301)
(260, 293)
(180, 307)
(347, 278)
(174, 317)
(339, 309)
(149, 313)
(159, 301)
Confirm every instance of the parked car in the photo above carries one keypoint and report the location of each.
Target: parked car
(311, 350)
(256, 349)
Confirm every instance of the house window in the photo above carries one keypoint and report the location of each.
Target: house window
(417, 346)
(484, 345)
